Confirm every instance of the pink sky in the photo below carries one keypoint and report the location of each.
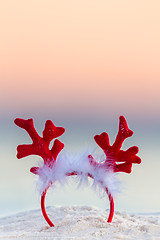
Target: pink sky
(89, 55)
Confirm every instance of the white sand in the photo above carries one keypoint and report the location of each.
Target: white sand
(80, 223)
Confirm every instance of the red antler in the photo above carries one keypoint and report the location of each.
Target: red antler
(113, 153)
(40, 145)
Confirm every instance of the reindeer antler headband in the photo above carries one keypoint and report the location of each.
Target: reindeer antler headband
(55, 168)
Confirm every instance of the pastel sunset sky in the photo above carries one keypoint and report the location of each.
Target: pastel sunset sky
(81, 64)
(84, 56)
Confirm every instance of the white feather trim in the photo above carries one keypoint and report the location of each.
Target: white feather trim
(103, 178)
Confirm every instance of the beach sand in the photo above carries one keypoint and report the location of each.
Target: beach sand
(80, 223)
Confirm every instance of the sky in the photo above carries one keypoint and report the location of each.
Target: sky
(81, 64)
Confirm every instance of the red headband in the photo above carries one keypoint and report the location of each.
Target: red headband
(54, 168)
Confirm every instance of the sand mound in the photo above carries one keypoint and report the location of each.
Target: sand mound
(79, 223)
